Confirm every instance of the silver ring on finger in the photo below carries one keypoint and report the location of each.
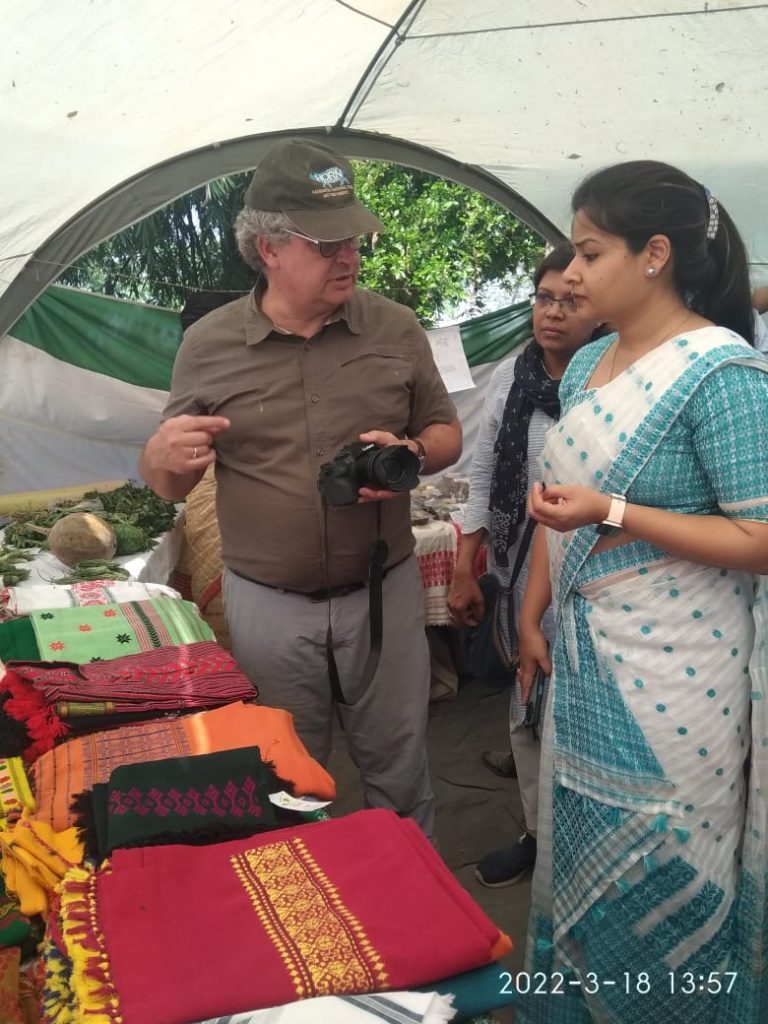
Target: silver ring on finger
(194, 453)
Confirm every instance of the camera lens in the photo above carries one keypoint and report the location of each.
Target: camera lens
(394, 468)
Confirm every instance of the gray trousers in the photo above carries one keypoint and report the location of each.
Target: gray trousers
(278, 639)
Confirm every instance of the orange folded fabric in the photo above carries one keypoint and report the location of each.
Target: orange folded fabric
(78, 764)
(269, 729)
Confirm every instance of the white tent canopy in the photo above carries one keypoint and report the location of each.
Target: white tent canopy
(108, 110)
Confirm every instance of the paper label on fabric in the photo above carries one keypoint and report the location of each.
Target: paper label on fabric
(296, 803)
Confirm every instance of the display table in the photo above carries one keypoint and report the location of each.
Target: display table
(153, 566)
(437, 546)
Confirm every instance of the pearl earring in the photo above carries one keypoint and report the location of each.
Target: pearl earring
(650, 271)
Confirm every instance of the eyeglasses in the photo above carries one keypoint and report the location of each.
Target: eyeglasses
(328, 249)
(545, 300)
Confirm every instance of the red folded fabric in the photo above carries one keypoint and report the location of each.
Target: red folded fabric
(191, 676)
(358, 904)
(23, 704)
(41, 694)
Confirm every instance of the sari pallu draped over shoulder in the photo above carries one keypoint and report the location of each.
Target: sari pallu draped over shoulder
(651, 871)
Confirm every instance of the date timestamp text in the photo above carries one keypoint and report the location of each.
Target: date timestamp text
(687, 983)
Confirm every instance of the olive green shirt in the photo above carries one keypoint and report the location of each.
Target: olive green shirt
(292, 404)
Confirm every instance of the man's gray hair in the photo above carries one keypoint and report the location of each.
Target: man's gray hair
(252, 224)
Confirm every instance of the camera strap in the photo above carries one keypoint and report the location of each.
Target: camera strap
(378, 558)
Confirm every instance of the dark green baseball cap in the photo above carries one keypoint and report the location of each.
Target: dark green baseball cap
(314, 186)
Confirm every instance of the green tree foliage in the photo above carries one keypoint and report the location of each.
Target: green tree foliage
(188, 245)
(442, 245)
(443, 242)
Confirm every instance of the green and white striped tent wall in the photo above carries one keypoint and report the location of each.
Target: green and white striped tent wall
(84, 378)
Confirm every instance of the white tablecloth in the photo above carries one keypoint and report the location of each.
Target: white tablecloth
(153, 566)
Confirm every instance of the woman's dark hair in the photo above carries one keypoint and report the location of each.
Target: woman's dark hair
(558, 259)
(642, 198)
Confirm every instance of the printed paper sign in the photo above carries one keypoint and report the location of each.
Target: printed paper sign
(450, 358)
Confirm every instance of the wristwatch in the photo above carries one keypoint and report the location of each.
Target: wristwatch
(421, 452)
(612, 524)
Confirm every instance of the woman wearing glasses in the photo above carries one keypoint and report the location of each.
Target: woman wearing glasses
(521, 405)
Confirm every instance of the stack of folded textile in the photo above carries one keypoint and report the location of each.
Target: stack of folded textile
(53, 699)
(97, 632)
(205, 798)
(34, 870)
(149, 841)
(17, 602)
(362, 904)
(59, 775)
(395, 1007)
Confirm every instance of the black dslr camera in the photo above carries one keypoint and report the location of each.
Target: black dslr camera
(391, 468)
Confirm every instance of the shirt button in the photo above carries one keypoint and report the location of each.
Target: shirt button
(308, 347)
(319, 451)
(315, 398)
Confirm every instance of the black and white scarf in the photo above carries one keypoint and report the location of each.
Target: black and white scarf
(532, 388)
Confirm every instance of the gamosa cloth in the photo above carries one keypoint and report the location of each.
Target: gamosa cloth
(42, 597)
(393, 1008)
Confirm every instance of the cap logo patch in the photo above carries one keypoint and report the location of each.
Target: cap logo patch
(330, 177)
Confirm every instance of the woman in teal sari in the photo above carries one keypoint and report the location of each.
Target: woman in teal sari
(649, 897)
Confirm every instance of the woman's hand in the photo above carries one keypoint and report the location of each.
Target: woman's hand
(533, 654)
(565, 507)
(465, 599)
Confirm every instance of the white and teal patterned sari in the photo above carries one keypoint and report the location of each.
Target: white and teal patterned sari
(649, 897)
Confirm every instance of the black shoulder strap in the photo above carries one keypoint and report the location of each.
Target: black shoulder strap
(522, 551)
(378, 558)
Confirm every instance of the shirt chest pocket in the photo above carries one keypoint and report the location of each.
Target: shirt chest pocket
(377, 384)
(259, 407)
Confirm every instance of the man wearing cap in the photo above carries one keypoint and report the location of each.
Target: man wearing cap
(270, 387)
